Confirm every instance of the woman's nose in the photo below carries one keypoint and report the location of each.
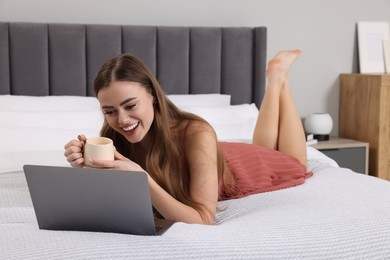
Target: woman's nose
(123, 118)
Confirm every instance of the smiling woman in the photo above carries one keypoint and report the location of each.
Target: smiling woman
(188, 170)
(135, 110)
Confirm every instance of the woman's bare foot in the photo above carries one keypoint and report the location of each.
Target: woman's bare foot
(280, 65)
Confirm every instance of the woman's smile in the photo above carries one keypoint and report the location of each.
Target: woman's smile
(130, 127)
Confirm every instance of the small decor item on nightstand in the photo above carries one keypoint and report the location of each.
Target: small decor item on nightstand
(320, 125)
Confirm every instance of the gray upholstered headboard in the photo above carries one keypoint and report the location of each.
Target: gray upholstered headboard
(62, 59)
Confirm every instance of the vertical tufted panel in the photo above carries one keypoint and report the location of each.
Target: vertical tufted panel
(103, 43)
(237, 63)
(205, 60)
(67, 59)
(141, 41)
(173, 59)
(260, 64)
(5, 87)
(29, 66)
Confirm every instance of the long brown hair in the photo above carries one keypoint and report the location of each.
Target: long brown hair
(163, 163)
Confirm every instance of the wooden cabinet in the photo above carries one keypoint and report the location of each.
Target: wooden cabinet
(365, 115)
(347, 153)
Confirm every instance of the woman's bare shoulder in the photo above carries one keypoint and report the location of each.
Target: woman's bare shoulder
(200, 146)
(199, 135)
(195, 128)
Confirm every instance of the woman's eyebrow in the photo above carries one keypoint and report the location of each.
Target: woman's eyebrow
(122, 103)
(127, 100)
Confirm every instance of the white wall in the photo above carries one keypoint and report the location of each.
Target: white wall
(325, 30)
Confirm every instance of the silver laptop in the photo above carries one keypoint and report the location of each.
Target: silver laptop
(86, 199)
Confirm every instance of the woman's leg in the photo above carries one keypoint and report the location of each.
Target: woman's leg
(292, 139)
(279, 125)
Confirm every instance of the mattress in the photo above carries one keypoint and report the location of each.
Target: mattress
(335, 214)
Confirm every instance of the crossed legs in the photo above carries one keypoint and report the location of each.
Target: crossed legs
(278, 124)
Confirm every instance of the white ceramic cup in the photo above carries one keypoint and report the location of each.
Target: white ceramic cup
(101, 148)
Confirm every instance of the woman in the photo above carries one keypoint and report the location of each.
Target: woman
(187, 169)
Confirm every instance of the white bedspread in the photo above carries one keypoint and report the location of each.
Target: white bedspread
(336, 214)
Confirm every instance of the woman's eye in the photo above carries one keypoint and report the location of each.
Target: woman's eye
(129, 107)
(108, 113)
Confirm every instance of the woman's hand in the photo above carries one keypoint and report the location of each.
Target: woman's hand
(74, 151)
(120, 163)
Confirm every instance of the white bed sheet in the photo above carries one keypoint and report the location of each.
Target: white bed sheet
(336, 214)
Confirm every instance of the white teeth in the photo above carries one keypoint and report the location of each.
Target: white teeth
(131, 127)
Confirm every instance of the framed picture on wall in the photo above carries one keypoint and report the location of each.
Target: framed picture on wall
(370, 41)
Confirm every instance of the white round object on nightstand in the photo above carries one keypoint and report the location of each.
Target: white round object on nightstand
(319, 124)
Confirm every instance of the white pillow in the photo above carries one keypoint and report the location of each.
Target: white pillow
(186, 100)
(89, 119)
(47, 103)
(14, 139)
(46, 123)
(231, 123)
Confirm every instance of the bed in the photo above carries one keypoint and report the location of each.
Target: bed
(46, 98)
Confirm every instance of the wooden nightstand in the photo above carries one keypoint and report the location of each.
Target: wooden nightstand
(347, 153)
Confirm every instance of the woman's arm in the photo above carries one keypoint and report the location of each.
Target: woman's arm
(200, 148)
(201, 153)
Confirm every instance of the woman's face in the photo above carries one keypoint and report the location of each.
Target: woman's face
(128, 109)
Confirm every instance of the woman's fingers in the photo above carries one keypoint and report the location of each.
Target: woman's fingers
(82, 137)
(119, 156)
(73, 156)
(73, 143)
(78, 163)
(74, 151)
(117, 163)
(96, 163)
